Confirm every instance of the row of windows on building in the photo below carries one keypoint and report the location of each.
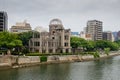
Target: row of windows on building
(50, 44)
(66, 37)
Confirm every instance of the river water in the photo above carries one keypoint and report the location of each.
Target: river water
(105, 69)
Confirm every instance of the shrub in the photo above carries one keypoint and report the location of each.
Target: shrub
(25, 50)
(47, 54)
(43, 58)
(96, 54)
(107, 50)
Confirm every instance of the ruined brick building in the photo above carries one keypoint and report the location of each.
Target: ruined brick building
(57, 40)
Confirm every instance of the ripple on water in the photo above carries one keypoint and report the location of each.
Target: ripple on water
(105, 69)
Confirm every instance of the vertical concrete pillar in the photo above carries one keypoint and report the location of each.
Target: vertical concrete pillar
(54, 50)
(33, 50)
(40, 51)
(69, 41)
(47, 51)
(62, 38)
(47, 46)
(63, 50)
(69, 50)
(33, 43)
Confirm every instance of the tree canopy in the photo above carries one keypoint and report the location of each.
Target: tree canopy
(101, 44)
(9, 40)
(93, 45)
(78, 42)
(24, 37)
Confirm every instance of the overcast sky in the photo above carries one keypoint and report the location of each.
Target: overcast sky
(73, 13)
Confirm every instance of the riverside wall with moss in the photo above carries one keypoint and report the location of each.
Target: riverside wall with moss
(23, 61)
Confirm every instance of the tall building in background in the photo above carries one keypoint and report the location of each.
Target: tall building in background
(3, 21)
(94, 27)
(108, 36)
(118, 35)
(115, 36)
(85, 36)
(21, 27)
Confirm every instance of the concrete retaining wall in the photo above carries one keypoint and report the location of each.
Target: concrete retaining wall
(28, 59)
(5, 61)
(63, 58)
(52, 58)
(20, 60)
(11, 60)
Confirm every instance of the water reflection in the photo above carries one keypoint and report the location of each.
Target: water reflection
(107, 69)
(53, 72)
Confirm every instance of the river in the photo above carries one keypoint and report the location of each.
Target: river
(105, 69)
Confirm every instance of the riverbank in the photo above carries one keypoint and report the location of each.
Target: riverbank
(7, 62)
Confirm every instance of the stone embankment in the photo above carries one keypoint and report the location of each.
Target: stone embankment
(23, 61)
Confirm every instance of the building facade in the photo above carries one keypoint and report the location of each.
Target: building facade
(3, 21)
(94, 27)
(118, 35)
(115, 36)
(85, 36)
(57, 40)
(108, 36)
(21, 27)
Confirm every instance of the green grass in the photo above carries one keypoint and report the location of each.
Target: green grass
(95, 54)
(46, 54)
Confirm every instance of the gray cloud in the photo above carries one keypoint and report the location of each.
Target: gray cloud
(73, 13)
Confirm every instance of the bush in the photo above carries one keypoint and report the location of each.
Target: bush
(43, 58)
(96, 54)
(107, 50)
(48, 54)
(36, 54)
(25, 50)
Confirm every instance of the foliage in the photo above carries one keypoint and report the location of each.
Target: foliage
(43, 58)
(48, 54)
(25, 50)
(24, 37)
(33, 54)
(114, 46)
(90, 46)
(9, 40)
(78, 42)
(96, 54)
(118, 42)
(101, 44)
(107, 50)
(75, 42)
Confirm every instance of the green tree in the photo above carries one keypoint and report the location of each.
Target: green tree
(118, 43)
(90, 46)
(75, 42)
(78, 42)
(101, 44)
(9, 41)
(24, 37)
(114, 46)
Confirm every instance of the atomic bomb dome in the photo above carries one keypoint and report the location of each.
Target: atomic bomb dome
(57, 40)
(55, 22)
